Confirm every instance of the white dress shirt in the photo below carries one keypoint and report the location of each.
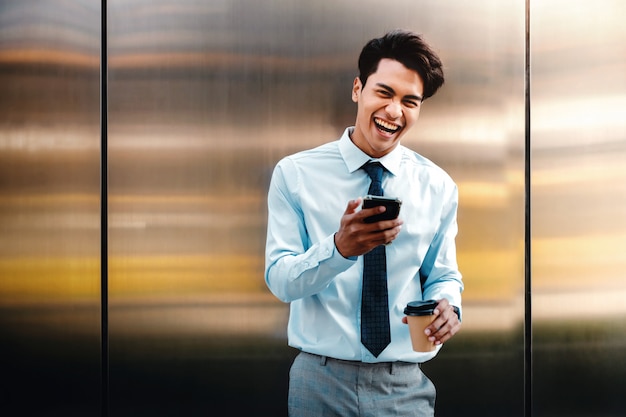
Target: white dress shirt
(308, 195)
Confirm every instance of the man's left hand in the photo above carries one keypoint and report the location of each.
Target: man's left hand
(445, 325)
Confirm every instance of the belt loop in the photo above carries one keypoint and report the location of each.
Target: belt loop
(392, 368)
(323, 360)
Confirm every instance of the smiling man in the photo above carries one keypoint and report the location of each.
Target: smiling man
(347, 279)
(386, 112)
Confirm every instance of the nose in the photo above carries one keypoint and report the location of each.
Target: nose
(394, 110)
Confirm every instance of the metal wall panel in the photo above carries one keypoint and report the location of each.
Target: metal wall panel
(205, 97)
(49, 208)
(578, 205)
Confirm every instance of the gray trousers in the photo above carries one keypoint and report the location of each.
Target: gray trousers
(322, 386)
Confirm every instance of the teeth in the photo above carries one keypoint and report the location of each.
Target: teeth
(387, 126)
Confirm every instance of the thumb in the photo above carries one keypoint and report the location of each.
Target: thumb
(353, 205)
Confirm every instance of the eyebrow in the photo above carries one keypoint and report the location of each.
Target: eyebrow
(392, 91)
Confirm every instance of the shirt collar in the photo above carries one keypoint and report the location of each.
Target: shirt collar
(355, 158)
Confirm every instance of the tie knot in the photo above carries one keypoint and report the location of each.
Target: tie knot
(375, 171)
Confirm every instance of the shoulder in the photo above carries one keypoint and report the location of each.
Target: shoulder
(422, 167)
(305, 170)
(314, 158)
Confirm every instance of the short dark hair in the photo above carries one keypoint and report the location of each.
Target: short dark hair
(408, 48)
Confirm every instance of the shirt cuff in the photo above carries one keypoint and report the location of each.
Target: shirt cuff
(333, 255)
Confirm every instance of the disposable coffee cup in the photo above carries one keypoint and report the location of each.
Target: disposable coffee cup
(419, 315)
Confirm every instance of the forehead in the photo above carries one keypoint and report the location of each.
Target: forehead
(394, 74)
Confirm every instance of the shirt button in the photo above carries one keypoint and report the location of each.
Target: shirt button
(306, 264)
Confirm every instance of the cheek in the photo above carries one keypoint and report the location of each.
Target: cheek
(414, 115)
(410, 119)
(365, 114)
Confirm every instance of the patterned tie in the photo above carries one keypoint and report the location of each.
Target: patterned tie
(375, 333)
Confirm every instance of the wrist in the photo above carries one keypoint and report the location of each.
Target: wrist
(339, 250)
(457, 311)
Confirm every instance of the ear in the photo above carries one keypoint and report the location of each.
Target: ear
(356, 89)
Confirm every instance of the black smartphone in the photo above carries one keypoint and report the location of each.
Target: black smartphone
(391, 203)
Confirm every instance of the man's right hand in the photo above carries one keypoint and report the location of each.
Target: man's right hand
(355, 237)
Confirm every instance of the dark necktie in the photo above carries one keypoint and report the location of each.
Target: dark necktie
(375, 333)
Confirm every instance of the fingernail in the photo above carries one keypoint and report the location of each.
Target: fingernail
(427, 332)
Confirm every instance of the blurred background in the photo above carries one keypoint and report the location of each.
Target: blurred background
(204, 97)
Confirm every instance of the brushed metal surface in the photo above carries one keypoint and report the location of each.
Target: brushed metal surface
(49, 208)
(204, 98)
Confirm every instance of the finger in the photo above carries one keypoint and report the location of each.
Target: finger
(385, 237)
(353, 205)
(446, 330)
(386, 230)
(435, 330)
(447, 336)
(367, 212)
(390, 235)
(440, 326)
(440, 318)
(441, 306)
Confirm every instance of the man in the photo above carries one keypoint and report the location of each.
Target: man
(318, 243)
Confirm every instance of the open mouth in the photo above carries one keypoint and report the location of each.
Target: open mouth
(386, 126)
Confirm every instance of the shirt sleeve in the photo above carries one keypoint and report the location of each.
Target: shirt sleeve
(295, 267)
(440, 273)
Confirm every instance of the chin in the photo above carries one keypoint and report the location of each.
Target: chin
(380, 151)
